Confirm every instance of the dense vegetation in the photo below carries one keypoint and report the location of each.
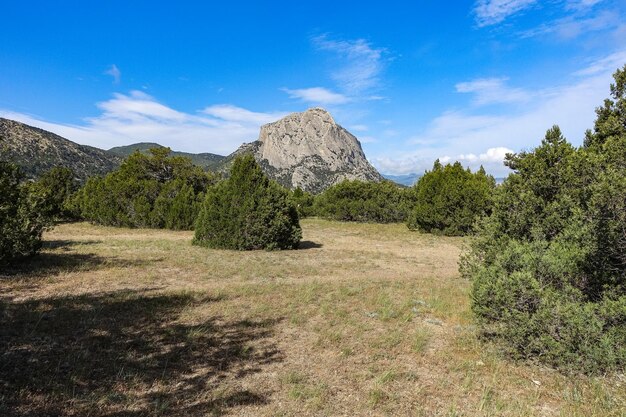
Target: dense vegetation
(23, 215)
(359, 201)
(303, 201)
(154, 190)
(449, 199)
(248, 211)
(549, 265)
(56, 188)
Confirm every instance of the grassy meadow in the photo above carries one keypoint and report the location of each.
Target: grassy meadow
(364, 320)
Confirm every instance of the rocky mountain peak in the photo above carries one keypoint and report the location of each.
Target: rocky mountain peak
(311, 151)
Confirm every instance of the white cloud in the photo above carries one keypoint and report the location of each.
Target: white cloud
(359, 63)
(491, 12)
(367, 139)
(318, 95)
(464, 134)
(359, 128)
(571, 27)
(580, 4)
(357, 67)
(232, 113)
(492, 90)
(114, 72)
(138, 117)
(490, 156)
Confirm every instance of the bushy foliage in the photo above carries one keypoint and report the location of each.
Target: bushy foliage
(248, 211)
(303, 201)
(153, 190)
(56, 187)
(22, 215)
(449, 199)
(548, 267)
(360, 201)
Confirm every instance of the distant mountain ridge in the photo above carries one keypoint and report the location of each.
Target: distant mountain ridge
(205, 160)
(307, 150)
(37, 151)
(406, 179)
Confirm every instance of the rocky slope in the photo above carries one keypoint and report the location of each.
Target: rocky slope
(309, 150)
(36, 151)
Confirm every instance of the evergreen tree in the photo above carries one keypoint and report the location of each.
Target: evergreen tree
(248, 211)
(153, 190)
(449, 199)
(22, 216)
(548, 267)
(360, 201)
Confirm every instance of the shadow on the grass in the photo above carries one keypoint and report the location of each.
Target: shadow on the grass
(126, 353)
(45, 264)
(307, 244)
(67, 244)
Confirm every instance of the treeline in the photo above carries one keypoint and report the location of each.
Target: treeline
(154, 190)
(446, 200)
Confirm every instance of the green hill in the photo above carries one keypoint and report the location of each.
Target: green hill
(36, 151)
(205, 160)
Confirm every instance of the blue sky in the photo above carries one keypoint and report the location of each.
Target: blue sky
(414, 81)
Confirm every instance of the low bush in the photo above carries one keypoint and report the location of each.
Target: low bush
(153, 190)
(548, 267)
(248, 211)
(449, 199)
(23, 215)
(359, 201)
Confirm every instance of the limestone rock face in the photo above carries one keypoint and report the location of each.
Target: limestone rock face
(309, 150)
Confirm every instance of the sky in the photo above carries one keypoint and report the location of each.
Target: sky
(413, 81)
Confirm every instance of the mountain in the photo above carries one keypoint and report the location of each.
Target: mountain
(407, 179)
(36, 151)
(308, 150)
(205, 160)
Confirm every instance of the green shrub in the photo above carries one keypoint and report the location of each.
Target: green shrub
(359, 201)
(248, 211)
(153, 190)
(56, 188)
(22, 215)
(303, 201)
(449, 199)
(548, 267)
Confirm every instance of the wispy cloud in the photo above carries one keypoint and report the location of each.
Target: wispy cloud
(459, 134)
(356, 74)
(317, 95)
(571, 27)
(492, 91)
(581, 4)
(230, 113)
(491, 12)
(114, 72)
(135, 117)
(359, 63)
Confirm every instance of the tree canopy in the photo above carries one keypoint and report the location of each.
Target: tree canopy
(548, 267)
(449, 199)
(248, 211)
(154, 190)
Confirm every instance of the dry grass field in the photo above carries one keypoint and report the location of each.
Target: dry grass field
(364, 320)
